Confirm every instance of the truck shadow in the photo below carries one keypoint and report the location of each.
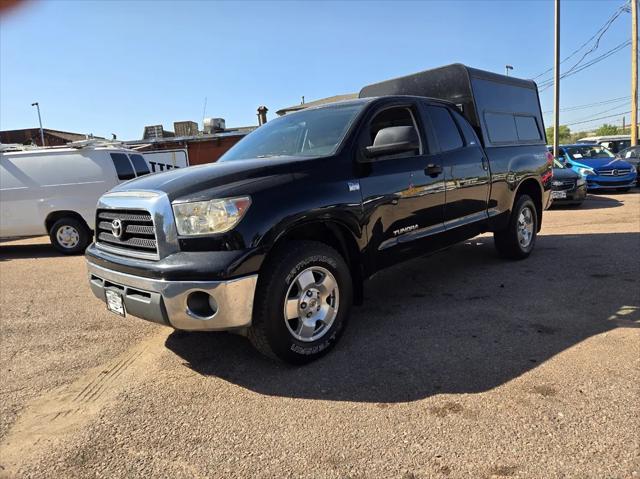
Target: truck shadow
(28, 251)
(461, 321)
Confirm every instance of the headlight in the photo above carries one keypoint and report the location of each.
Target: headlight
(586, 171)
(580, 181)
(208, 217)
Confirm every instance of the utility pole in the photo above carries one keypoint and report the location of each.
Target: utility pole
(556, 81)
(37, 105)
(634, 72)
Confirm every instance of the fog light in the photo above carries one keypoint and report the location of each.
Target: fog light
(201, 305)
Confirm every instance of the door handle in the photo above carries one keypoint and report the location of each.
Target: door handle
(484, 164)
(433, 170)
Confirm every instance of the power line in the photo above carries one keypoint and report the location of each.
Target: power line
(547, 84)
(589, 105)
(603, 111)
(596, 119)
(598, 35)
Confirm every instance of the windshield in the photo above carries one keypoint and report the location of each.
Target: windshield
(588, 152)
(311, 133)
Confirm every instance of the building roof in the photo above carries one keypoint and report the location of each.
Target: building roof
(240, 131)
(25, 134)
(322, 101)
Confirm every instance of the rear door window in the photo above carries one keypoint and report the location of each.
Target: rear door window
(445, 128)
(123, 166)
(139, 165)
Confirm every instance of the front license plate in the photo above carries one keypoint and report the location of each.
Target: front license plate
(555, 195)
(114, 302)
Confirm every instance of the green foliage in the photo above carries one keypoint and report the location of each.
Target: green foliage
(564, 134)
(607, 129)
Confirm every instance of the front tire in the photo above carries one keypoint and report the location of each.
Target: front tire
(519, 238)
(69, 236)
(302, 302)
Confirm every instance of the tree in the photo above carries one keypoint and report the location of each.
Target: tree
(564, 134)
(606, 130)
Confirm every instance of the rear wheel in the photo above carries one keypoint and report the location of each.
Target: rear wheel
(302, 302)
(518, 239)
(69, 236)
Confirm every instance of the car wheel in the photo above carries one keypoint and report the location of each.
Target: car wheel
(518, 239)
(69, 236)
(302, 302)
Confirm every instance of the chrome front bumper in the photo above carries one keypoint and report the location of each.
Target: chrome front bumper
(168, 303)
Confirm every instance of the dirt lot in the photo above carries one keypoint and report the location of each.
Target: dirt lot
(458, 365)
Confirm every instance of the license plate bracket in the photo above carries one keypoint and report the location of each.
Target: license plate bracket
(557, 195)
(115, 303)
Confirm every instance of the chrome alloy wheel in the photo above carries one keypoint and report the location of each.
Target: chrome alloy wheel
(525, 227)
(68, 236)
(311, 304)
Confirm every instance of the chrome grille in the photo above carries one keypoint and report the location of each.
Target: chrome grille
(137, 238)
(613, 171)
(566, 185)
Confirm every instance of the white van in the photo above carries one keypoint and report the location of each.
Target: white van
(55, 190)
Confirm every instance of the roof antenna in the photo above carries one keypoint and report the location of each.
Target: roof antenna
(204, 111)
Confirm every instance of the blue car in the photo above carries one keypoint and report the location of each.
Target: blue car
(599, 167)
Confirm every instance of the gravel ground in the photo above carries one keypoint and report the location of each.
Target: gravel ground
(458, 365)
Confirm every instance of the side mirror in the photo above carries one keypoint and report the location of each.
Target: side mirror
(393, 140)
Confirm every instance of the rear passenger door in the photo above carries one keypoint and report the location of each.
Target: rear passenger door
(466, 170)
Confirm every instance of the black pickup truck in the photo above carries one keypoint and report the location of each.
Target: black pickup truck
(275, 240)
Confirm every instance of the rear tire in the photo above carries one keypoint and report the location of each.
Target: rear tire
(70, 236)
(302, 302)
(517, 240)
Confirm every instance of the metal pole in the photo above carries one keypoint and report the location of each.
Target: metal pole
(634, 72)
(37, 105)
(556, 81)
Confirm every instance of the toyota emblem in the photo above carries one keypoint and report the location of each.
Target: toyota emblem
(116, 228)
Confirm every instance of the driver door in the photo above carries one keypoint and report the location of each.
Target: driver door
(402, 194)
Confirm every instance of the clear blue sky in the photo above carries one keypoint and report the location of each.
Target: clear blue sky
(104, 67)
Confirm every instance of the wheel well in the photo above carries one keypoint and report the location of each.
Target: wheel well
(57, 215)
(340, 239)
(532, 188)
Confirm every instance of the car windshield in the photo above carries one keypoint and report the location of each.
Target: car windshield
(588, 152)
(308, 133)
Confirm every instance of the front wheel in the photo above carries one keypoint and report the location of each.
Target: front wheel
(302, 302)
(518, 239)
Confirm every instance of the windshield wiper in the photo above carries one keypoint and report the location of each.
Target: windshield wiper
(269, 156)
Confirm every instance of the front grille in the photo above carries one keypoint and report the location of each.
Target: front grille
(565, 185)
(137, 233)
(614, 172)
(610, 183)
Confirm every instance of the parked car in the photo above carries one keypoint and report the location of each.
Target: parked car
(275, 240)
(55, 190)
(632, 155)
(567, 186)
(600, 167)
(614, 143)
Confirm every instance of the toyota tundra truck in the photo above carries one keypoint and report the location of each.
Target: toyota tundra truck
(275, 240)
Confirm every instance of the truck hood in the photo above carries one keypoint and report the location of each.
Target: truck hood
(212, 180)
(565, 174)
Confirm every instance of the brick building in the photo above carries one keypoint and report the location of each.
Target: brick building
(28, 136)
